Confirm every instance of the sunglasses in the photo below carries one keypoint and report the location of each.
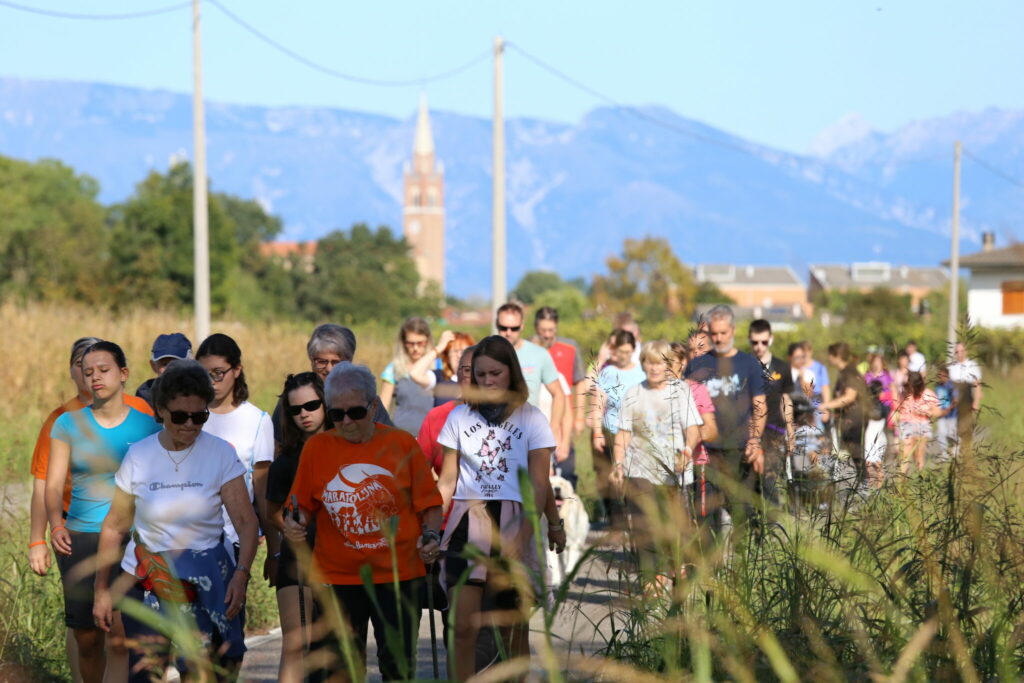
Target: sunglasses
(758, 342)
(507, 328)
(308, 406)
(180, 417)
(337, 415)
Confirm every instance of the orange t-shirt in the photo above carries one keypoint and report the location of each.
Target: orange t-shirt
(352, 490)
(41, 454)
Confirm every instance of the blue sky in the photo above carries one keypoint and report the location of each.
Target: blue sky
(775, 72)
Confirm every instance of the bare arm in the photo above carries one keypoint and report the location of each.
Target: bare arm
(708, 430)
(387, 392)
(449, 476)
(692, 438)
(597, 406)
(38, 552)
(235, 496)
(787, 415)
(259, 486)
(116, 524)
(848, 398)
(56, 474)
(567, 430)
(579, 394)
(622, 439)
(754, 451)
(539, 463)
(557, 407)
(421, 371)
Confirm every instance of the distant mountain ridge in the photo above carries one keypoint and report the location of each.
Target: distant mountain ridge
(575, 191)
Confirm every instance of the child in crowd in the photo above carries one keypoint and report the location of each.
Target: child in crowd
(809, 468)
(945, 425)
(875, 441)
(166, 348)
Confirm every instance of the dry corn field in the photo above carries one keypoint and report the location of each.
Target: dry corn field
(36, 377)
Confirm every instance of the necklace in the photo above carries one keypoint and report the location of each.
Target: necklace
(178, 462)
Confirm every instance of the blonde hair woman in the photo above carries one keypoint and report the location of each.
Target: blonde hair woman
(408, 379)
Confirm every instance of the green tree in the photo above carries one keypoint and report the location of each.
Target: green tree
(152, 243)
(52, 239)
(362, 274)
(534, 282)
(648, 280)
(709, 293)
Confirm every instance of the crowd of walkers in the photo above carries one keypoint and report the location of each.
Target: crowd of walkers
(375, 502)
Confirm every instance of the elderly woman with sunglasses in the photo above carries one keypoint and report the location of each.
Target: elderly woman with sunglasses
(377, 511)
(171, 487)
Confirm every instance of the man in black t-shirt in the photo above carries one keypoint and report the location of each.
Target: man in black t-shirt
(735, 382)
(778, 428)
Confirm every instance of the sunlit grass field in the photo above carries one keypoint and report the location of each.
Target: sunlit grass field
(924, 582)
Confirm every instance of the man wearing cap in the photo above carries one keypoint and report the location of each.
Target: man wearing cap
(166, 348)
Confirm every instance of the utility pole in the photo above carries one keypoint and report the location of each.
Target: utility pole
(200, 217)
(499, 282)
(954, 256)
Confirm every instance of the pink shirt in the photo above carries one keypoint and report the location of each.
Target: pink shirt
(918, 409)
(702, 398)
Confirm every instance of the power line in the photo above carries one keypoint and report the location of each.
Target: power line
(638, 113)
(166, 9)
(381, 82)
(993, 170)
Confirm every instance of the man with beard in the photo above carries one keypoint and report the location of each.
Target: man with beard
(735, 382)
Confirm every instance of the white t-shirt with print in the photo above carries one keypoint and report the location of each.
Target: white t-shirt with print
(177, 509)
(251, 432)
(657, 420)
(490, 456)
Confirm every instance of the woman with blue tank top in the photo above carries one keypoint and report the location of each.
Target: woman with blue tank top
(91, 443)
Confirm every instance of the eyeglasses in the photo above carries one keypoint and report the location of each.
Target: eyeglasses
(416, 344)
(337, 415)
(759, 342)
(308, 406)
(180, 417)
(324, 363)
(217, 374)
(507, 328)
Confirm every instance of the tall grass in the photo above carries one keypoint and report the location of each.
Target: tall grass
(923, 580)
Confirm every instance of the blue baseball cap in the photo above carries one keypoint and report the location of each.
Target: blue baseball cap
(174, 345)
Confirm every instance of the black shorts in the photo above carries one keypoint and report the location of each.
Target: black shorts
(78, 576)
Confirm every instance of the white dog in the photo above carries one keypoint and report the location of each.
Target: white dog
(577, 524)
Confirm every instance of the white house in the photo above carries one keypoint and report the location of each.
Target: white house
(995, 291)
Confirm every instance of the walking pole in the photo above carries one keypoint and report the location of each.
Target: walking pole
(301, 586)
(430, 611)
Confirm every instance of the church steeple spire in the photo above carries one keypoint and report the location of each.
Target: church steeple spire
(423, 212)
(423, 144)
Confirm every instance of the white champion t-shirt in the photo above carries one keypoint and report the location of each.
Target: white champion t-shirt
(490, 456)
(251, 432)
(177, 510)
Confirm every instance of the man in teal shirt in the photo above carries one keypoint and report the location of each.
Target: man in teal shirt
(538, 369)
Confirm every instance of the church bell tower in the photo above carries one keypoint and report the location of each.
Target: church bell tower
(423, 203)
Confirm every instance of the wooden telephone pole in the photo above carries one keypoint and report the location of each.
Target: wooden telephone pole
(200, 216)
(499, 284)
(954, 257)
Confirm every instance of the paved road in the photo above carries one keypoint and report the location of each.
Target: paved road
(580, 626)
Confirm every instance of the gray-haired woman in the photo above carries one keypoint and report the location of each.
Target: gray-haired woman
(170, 490)
(375, 502)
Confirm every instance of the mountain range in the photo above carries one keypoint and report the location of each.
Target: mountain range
(575, 190)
